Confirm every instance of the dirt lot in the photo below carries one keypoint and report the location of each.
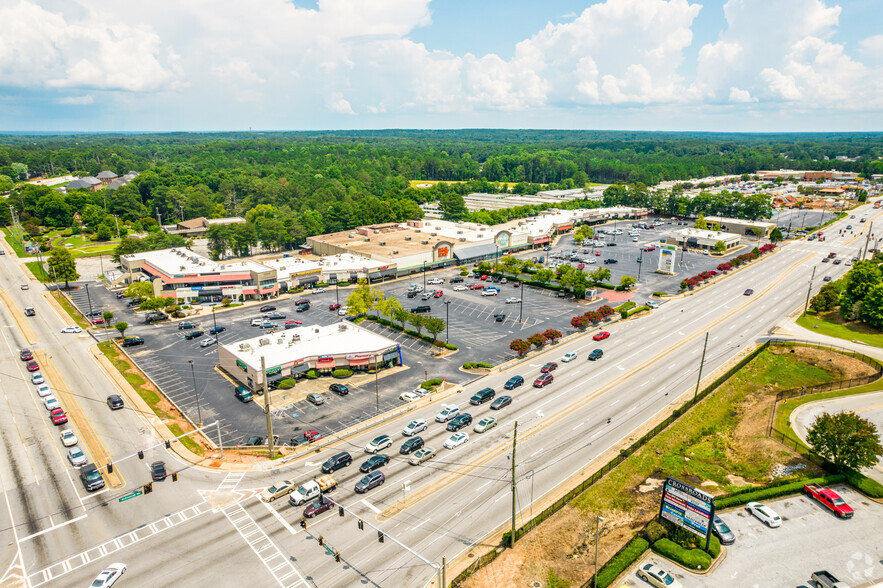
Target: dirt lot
(727, 449)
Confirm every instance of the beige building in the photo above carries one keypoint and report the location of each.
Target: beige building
(691, 238)
(740, 226)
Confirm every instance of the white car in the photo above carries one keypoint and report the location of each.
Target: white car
(447, 413)
(460, 288)
(568, 357)
(456, 440)
(409, 396)
(657, 576)
(51, 403)
(414, 427)
(72, 329)
(489, 292)
(76, 457)
(592, 261)
(513, 300)
(111, 574)
(416, 288)
(68, 438)
(652, 304)
(435, 281)
(37, 379)
(319, 291)
(342, 311)
(257, 322)
(378, 443)
(43, 391)
(208, 342)
(764, 513)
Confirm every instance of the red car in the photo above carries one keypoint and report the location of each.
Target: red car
(438, 293)
(650, 248)
(549, 367)
(33, 366)
(98, 321)
(312, 435)
(484, 277)
(58, 416)
(476, 287)
(543, 380)
(333, 306)
(601, 335)
(26, 355)
(580, 266)
(598, 253)
(321, 505)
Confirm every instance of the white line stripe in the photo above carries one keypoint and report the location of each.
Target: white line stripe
(371, 506)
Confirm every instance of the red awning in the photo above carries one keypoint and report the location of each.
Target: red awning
(541, 240)
(360, 361)
(325, 363)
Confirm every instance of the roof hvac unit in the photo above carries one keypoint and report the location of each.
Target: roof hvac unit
(376, 232)
(351, 235)
(407, 238)
(424, 242)
(181, 268)
(280, 341)
(244, 347)
(459, 232)
(395, 251)
(341, 327)
(383, 242)
(295, 337)
(434, 234)
(316, 329)
(263, 342)
(462, 239)
(367, 238)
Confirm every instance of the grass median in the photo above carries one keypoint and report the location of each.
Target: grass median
(72, 312)
(833, 325)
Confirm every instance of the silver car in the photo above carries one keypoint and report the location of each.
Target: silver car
(76, 457)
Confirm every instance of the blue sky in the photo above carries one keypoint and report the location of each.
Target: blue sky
(717, 65)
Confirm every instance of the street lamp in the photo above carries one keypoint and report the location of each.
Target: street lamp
(447, 321)
(376, 388)
(215, 323)
(598, 521)
(521, 303)
(640, 262)
(89, 298)
(195, 391)
(424, 276)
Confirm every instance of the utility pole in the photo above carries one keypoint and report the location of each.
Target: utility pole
(701, 364)
(158, 217)
(267, 406)
(521, 303)
(809, 290)
(598, 520)
(514, 438)
(868, 239)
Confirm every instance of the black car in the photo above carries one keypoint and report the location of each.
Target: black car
(131, 341)
(459, 421)
(596, 354)
(120, 295)
(411, 445)
(482, 396)
(302, 308)
(611, 244)
(411, 294)
(457, 280)
(500, 317)
(266, 308)
(184, 326)
(158, 471)
(421, 309)
(372, 480)
(339, 389)
(114, 402)
(135, 301)
(501, 402)
(514, 382)
(275, 316)
(374, 462)
(91, 477)
(93, 313)
(609, 261)
(216, 330)
(254, 441)
(335, 462)
(193, 335)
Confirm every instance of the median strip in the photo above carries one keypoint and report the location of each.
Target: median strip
(19, 318)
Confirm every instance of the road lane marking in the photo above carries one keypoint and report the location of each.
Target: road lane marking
(578, 426)
(53, 528)
(371, 506)
(278, 517)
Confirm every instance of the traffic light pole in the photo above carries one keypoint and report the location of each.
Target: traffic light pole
(267, 407)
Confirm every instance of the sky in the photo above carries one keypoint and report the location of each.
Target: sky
(217, 65)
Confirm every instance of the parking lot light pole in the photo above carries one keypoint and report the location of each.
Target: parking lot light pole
(424, 276)
(447, 321)
(521, 301)
(598, 520)
(376, 388)
(640, 262)
(89, 298)
(195, 391)
(215, 323)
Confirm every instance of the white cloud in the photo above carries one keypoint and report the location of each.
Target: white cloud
(781, 85)
(741, 96)
(872, 47)
(337, 103)
(77, 100)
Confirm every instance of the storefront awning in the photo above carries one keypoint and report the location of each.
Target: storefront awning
(467, 253)
(362, 361)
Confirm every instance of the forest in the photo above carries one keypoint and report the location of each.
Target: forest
(290, 185)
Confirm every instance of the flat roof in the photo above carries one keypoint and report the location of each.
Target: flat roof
(180, 261)
(402, 240)
(282, 347)
(343, 262)
(706, 234)
(739, 221)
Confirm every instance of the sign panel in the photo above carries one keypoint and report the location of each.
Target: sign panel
(274, 371)
(241, 364)
(667, 255)
(687, 507)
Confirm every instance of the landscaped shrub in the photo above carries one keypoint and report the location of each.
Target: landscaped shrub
(660, 294)
(537, 340)
(450, 346)
(864, 484)
(654, 531)
(312, 374)
(626, 306)
(430, 384)
(471, 365)
(694, 559)
(342, 373)
(637, 310)
(285, 384)
(552, 334)
(767, 493)
(633, 550)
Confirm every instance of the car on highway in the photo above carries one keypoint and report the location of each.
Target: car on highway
(370, 481)
(109, 576)
(132, 341)
(158, 471)
(722, 531)
(76, 456)
(193, 335)
(459, 421)
(25, 287)
(268, 308)
(543, 380)
(766, 515)
(601, 335)
(68, 438)
(43, 391)
(33, 366)
(323, 504)
(549, 367)
(216, 330)
(316, 399)
(51, 402)
(414, 427)
(421, 455)
(374, 462)
(58, 416)
(339, 389)
(513, 300)
(595, 355)
(826, 279)
(411, 445)
(447, 413)
(501, 402)
(186, 326)
(485, 424)
(409, 396)
(568, 357)
(456, 440)
(72, 329)
(277, 491)
(337, 461)
(26, 355)
(37, 379)
(114, 402)
(378, 443)
(482, 396)
(513, 382)
(748, 292)
(208, 342)
(658, 577)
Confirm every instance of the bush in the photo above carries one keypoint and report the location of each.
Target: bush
(864, 484)
(626, 306)
(767, 493)
(694, 559)
(450, 346)
(342, 373)
(472, 365)
(628, 555)
(660, 294)
(636, 310)
(654, 531)
(430, 384)
(285, 384)
(312, 374)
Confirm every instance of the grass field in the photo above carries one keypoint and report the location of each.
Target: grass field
(72, 312)
(38, 271)
(19, 250)
(832, 325)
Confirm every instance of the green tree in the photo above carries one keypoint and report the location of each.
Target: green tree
(827, 298)
(537, 340)
(701, 223)
(720, 246)
(577, 281)
(452, 206)
(863, 276)
(434, 326)
(626, 282)
(121, 327)
(872, 307)
(584, 232)
(776, 235)
(401, 315)
(139, 289)
(600, 275)
(845, 439)
(388, 306)
(107, 316)
(361, 300)
(104, 233)
(62, 266)
(544, 276)
(154, 303)
(417, 321)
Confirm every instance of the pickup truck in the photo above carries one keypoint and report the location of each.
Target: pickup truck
(310, 490)
(824, 579)
(830, 499)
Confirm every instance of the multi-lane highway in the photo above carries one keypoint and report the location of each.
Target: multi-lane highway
(444, 507)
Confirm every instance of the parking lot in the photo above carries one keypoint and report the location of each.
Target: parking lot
(810, 539)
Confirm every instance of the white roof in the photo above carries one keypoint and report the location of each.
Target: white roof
(183, 261)
(705, 234)
(283, 347)
(739, 221)
(344, 262)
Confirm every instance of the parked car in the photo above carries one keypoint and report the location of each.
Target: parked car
(829, 499)
(378, 443)
(610, 261)
(722, 531)
(601, 335)
(372, 480)
(243, 394)
(767, 515)
(208, 342)
(132, 341)
(513, 382)
(274, 316)
(513, 300)
(485, 424)
(267, 308)
(658, 577)
(411, 445)
(409, 396)
(456, 440)
(193, 335)
(72, 329)
(543, 381)
(488, 292)
(501, 402)
(460, 288)
(374, 462)
(185, 326)
(316, 399)
(414, 427)
(339, 389)
(422, 455)
(216, 330)
(302, 308)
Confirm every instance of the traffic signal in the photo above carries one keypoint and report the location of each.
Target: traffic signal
(361, 525)
(140, 455)
(340, 510)
(321, 541)
(147, 488)
(168, 444)
(380, 536)
(337, 556)
(174, 476)
(303, 523)
(110, 467)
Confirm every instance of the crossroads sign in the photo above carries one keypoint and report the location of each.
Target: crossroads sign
(688, 508)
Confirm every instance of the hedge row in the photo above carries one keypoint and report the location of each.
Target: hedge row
(285, 384)
(471, 365)
(413, 333)
(864, 484)
(636, 310)
(767, 493)
(628, 555)
(342, 373)
(625, 306)
(694, 559)
(432, 383)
